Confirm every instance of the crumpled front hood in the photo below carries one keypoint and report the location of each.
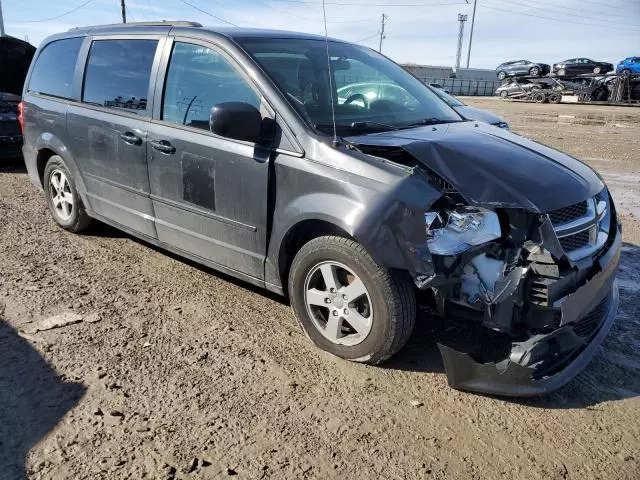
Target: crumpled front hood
(473, 113)
(493, 167)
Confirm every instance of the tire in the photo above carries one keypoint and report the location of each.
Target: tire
(534, 71)
(502, 75)
(597, 70)
(539, 97)
(555, 97)
(64, 203)
(626, 72)
(562, 72)
(389, 296)
(504, 94)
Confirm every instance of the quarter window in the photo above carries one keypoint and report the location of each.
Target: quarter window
(118, 74)
(54, 69)
(199, 78)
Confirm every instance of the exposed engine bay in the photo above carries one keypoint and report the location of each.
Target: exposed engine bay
(538, 286)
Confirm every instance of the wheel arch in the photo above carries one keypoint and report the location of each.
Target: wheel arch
(299, 234)
(46, 146)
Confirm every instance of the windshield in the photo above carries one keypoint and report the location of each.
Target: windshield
(369, 91)
(450, 99)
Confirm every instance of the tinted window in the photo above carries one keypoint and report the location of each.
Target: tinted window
(118, 74)
(199, 78)
(54, 68)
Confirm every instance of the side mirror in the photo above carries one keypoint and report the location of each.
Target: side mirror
(236, 120)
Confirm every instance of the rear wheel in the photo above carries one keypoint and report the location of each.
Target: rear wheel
(347, 304)
(64, 203)
(555, 97)
(539, 97)
(535, 71)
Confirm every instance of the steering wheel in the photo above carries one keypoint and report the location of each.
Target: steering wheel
(355, 97)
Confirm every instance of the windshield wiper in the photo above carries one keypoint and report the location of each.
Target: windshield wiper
(368, 123)
(430, 121)
(363, 125)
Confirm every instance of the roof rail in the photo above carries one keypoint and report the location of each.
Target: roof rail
(160, 23)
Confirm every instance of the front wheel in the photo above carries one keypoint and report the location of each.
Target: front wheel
(502, 75)
(597, 70)
(347, 304)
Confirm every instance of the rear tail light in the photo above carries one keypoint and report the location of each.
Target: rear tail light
(21, 116)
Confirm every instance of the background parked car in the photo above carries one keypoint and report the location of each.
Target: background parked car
(629, 65)
(521, 67)
(471, 113)
(15, 57)
(518, 88)
(577, 66)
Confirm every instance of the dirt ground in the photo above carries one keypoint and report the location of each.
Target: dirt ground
(178, 372)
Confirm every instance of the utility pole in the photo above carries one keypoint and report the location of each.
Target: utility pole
(473, 21)
(123, 9)
(1, 21)
(382, 37)
(461, 18)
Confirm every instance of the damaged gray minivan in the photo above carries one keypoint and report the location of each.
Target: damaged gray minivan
(231, 147)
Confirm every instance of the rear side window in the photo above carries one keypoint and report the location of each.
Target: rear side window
(118, 74)
(199, 78)
(53, 72)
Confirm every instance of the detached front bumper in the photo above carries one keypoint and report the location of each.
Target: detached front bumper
(545, 363)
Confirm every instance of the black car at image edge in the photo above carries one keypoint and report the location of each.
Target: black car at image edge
(231, 147)
(15, 57)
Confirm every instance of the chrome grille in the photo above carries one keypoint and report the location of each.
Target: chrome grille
(567, 214)
(574, 242)
(582, 228)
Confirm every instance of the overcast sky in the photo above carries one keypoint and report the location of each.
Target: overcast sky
(418, 31)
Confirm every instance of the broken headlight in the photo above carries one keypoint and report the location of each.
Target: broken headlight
(453, 231)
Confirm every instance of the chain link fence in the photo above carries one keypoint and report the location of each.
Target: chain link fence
(455, 86)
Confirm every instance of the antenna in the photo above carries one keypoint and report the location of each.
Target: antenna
(333, 108)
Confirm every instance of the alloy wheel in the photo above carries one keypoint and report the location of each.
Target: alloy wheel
(338, 303)
(60, 193)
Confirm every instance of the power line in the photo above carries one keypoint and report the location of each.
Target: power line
(61, 15)
(312, 19)
(572, 9)
(367, 38)
(208, 13)
(608, 5)
(572, 15)
(345, 4)
(563, 20)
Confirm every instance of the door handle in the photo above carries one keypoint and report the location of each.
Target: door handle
(131, 138)
(163, 146)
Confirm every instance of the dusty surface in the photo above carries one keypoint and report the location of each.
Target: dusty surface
(176, 372)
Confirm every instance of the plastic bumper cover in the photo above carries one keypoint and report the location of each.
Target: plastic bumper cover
(562, 353)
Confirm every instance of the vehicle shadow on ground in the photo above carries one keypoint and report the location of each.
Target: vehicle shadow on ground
(33, 399)
(13, 165)
(613, 374)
